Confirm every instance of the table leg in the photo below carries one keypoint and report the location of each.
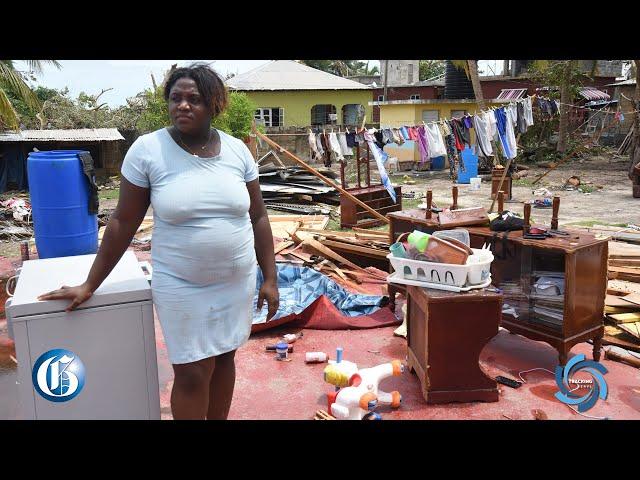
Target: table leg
(597, 347)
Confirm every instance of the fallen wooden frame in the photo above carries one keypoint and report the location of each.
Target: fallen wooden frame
(326, 180)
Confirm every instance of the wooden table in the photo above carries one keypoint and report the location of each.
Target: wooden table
(582, 259)
(446, 332)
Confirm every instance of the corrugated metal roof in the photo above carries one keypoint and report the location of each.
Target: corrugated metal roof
(79, 135)
(291, 75)
(591, 93)
(511, 93)
(631, 81)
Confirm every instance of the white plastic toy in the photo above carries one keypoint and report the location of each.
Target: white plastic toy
(357, 394)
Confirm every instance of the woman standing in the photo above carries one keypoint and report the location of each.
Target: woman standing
(208, 209)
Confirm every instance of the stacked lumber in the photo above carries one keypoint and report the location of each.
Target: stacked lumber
(622, 303)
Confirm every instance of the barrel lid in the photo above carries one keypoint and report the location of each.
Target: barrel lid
(126, 283)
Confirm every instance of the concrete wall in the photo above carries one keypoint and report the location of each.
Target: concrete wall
(399, 72)
(297, 104)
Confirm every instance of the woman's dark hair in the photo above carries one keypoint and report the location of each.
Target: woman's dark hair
(209, 84)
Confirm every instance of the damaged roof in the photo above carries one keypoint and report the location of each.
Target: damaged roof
(79, 135)
(291, 75)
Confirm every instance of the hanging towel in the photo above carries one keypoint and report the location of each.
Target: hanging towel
(335, 146)
(380, 156)
(344, 147)
(436, 142)
(482, 128)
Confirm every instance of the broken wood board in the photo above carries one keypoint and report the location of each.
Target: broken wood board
(616, 310)
(621, 250)
(622, 301)
(624, 262)
(622, 287)
(376, 252)
(631, 328)
(625, 317)
(282, 245)
(283, 225)
(463, 216)
(622, 273)
(382, 233)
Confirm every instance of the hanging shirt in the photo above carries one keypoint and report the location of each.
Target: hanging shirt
(436, 142)
(493, 125)
(456, 128)
(512, 114)
(483, 136)
(423, 144)
(342, 140)
(380, 157)
(467, 121)
(528, 111)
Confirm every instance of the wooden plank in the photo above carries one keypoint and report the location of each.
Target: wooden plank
(624, 262)
(282, 245)
(623, 250)
(613, 301)
(632, 328)
(625, 317)
(327, 252)
(371, 232)
(616, 310)
(356, 248)
(326, 180)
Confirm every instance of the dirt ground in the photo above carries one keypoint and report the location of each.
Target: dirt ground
(613, 204)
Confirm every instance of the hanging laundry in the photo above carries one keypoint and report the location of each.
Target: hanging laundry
(313, 146)
(522, 122)
(444, 128)
(360, 137)
(436, 142)
(512, 114)
(387, 136)
(351, 139)
(528, 111)
(379, 140)
(467, 121)
(555, 107)
(456, 128)
(413, 133)
(482, 128)
(342, 140)
(335, 146)
(405, 133)
(397, 136)
(502, 122)
(319, 144)
(324, 139)
(380, 157)
(423, 144)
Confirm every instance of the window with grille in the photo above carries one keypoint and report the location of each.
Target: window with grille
(270, 117)
(458, 113)
(415, 97)
(323, 115)
(381, 98)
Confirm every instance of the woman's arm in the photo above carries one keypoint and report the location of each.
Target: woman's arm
(125, 220)
(264, 249)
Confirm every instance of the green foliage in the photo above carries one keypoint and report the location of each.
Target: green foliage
(554, 73)
(342, 68)
(155, 114)
(431, 68)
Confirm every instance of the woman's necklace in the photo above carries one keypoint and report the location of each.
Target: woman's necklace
(201, 148)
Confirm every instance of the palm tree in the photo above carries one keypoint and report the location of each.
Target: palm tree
(12, 81)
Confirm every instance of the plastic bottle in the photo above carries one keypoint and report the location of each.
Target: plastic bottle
(437, 249)
(282, 349)
(315, 357)
(398, 250)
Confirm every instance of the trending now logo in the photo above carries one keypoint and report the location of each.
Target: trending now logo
(583, 393)
(58, 375)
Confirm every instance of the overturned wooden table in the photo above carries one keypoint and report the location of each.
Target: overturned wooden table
(446, 331)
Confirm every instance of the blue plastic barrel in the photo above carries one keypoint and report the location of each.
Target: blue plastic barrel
(470, 165)
(60, 194)
(437, 163)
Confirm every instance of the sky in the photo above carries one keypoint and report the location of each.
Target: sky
(129, 77)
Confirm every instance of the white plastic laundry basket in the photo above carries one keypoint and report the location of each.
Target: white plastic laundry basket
(476, 271)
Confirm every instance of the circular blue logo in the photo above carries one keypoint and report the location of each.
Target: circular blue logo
(588, 390)
(58, 375)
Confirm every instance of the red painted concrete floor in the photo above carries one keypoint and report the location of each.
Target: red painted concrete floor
(269, 389)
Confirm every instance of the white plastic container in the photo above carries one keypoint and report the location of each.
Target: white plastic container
(475, 183)
(475, 271)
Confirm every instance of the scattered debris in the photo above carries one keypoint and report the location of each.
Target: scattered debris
(294, 185)
(573, 180)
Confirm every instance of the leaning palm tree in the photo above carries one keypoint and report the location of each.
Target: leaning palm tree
(11, 81)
